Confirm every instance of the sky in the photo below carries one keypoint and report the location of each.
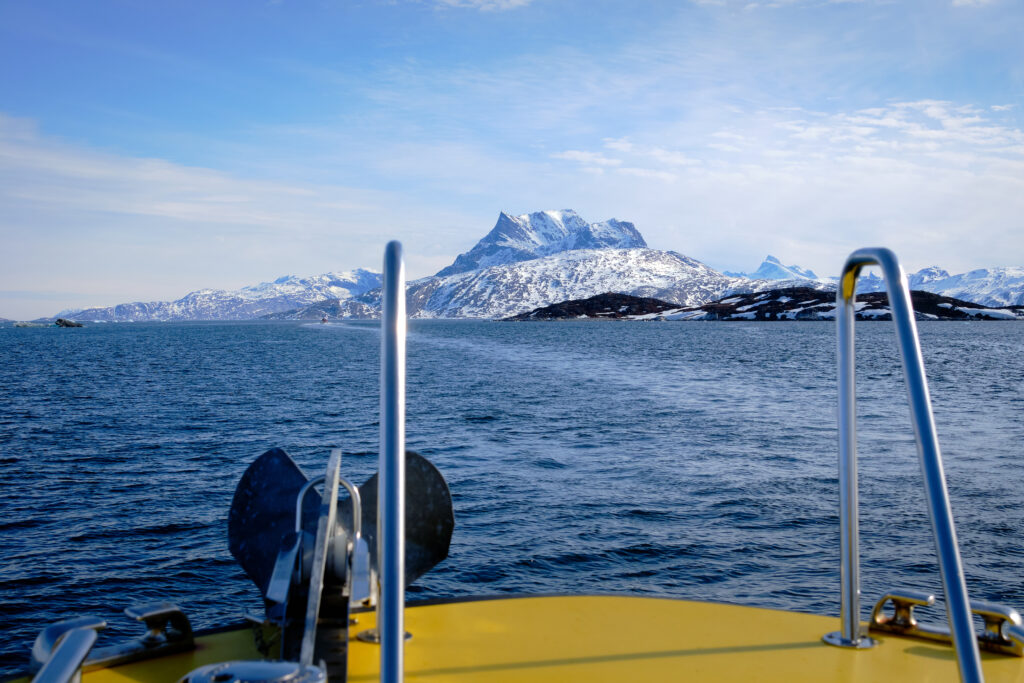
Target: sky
(152, 149)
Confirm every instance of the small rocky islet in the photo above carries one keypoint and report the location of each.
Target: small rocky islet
(788, 303)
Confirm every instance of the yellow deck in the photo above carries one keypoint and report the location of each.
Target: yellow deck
(609, 638)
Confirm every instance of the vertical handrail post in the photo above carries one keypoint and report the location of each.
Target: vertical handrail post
(849, 520)
(958, 611)
(391, 491)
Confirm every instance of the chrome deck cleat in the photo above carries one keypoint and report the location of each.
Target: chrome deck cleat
(1002, 631)
(65, 649)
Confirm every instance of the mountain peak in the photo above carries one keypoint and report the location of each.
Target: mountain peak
(926, 275)
(773, 269)
(542, 233)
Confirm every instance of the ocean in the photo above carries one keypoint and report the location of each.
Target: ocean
(691, 460)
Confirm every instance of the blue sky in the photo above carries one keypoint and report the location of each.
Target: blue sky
(149, 149)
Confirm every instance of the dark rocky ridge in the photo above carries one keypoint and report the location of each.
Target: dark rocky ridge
(607, 305)
(790, 303)
(805, 303)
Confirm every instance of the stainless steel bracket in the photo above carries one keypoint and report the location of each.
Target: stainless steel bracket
(325, 531)
(254, 670)
(1002, 633)
(167, 631)
(363, 577)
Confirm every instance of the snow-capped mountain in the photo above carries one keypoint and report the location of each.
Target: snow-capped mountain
(499, 291)
(926, 276)
(285, 293)
(530, 236)
(773, 269)
(505, 290)
(987, 286)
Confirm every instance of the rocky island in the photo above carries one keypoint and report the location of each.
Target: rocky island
(788, 303)
(610, 305)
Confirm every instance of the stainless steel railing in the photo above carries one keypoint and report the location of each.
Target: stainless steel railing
(958, 610)
(391, 491)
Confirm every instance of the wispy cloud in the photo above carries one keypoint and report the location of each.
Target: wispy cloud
(587, 158)
(650, 173)
(938, 181)
(144, 229)
(641, 161)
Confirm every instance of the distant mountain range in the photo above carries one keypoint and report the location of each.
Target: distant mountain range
(533, 260)
(283, 294)
(986, 286)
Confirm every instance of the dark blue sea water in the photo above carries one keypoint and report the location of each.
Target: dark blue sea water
(695, 460)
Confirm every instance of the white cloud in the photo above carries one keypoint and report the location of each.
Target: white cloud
(587, 158)
(622, 145)
(649, 173)
(635, 154)
(669, 157)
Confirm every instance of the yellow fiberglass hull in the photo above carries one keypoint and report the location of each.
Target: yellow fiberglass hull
(606, 638)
